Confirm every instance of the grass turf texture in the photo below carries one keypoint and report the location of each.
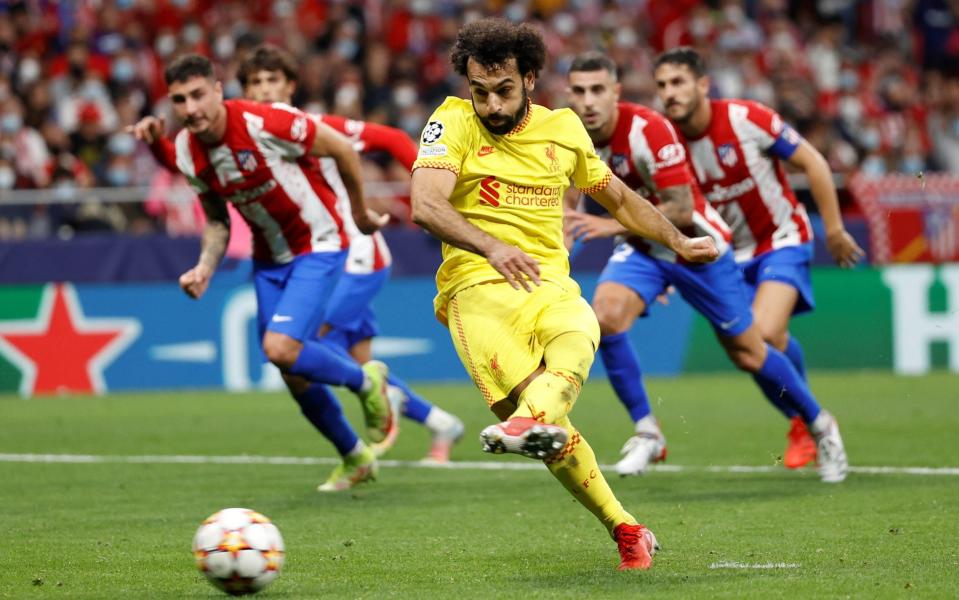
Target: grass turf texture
(117, 530)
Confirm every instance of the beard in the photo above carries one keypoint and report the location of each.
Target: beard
(510, 122)
(686, 111)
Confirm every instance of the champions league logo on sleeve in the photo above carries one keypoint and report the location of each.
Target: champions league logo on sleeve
(727, 155)
(432, 132)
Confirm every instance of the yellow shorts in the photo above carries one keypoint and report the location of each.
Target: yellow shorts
(500, 333)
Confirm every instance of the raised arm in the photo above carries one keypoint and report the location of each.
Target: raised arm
(643, 219)
(330, 143)
(844, 249)
(216, 236)
(150, 130)
(430, 196)
(373, 137)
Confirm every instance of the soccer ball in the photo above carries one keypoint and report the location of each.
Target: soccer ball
(239, 550)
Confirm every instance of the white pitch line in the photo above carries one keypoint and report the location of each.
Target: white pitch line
(738, 565)
(247, 459)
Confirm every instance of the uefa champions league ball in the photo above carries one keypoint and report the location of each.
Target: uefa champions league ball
(239, 550)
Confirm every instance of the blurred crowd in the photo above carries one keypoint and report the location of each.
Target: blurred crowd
(874, 84)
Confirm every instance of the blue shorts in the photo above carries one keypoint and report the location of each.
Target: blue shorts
(349, 313)
(292, 298)
(788, 265)
(715, 290)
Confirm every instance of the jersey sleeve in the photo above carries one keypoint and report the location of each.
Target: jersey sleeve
(289, 130)
(591, 174)
(184, 162)
(373, 137)
(669, 166)
(164, 152)
(445, 139)
(777, 137)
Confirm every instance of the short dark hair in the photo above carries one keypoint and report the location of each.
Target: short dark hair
(267, 57)
(188, 66)
(683, 55)
(492, 42)
(593, 60)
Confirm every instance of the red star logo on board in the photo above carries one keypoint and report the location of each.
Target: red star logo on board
(62, 350)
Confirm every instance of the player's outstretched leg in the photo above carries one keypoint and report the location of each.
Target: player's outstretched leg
(575, 467)
(647, 445)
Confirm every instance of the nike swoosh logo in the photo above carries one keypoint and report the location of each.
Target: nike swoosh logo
(726, 325)
(281, 318)
(485, 150)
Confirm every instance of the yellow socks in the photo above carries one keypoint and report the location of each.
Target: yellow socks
(576, 468)
(551, 396)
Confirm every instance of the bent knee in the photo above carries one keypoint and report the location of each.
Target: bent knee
(280, 349)
(614, 316)
(746, 360)
(773, 334)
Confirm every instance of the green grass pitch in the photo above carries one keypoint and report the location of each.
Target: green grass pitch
(115, 529)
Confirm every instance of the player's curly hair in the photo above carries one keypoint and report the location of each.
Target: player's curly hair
(492, 42)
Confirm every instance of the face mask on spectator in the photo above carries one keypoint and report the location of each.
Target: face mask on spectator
(873, 166)
(65, 189)
(564, 24)
(913, 164)
(119, 176)
(11, 123)
(29, 71)
(121, 144)
(848, 79)
(192, 34)
(869, 138)
(7, 178)
(232, 89)
(123, 70)
(224, 47)
(347, 48)
(165, 44)
(404, 96)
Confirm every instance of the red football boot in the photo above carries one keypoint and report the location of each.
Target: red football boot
(801, 449)
(636, 546)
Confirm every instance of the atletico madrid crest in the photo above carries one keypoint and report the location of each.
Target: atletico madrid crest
(247, 160)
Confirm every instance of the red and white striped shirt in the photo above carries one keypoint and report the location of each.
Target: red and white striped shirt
(368, 253)
(647, 154)
(263, 168)
(737, 163)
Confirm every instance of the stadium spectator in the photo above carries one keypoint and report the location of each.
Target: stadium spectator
(383, 62)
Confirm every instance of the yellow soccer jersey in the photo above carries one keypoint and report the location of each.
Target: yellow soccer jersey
(510, 186)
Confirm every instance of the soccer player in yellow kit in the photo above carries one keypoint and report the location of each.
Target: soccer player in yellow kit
(489, 182)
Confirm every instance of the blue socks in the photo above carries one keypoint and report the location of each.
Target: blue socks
(785, 388)
(322, 409)
(416, 407)
(622, 367)
(796, 356)
(322, 362)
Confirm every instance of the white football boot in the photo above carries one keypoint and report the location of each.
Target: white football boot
(830, 452)
(645, 447)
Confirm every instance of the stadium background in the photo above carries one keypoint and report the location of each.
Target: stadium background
(93, 234)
